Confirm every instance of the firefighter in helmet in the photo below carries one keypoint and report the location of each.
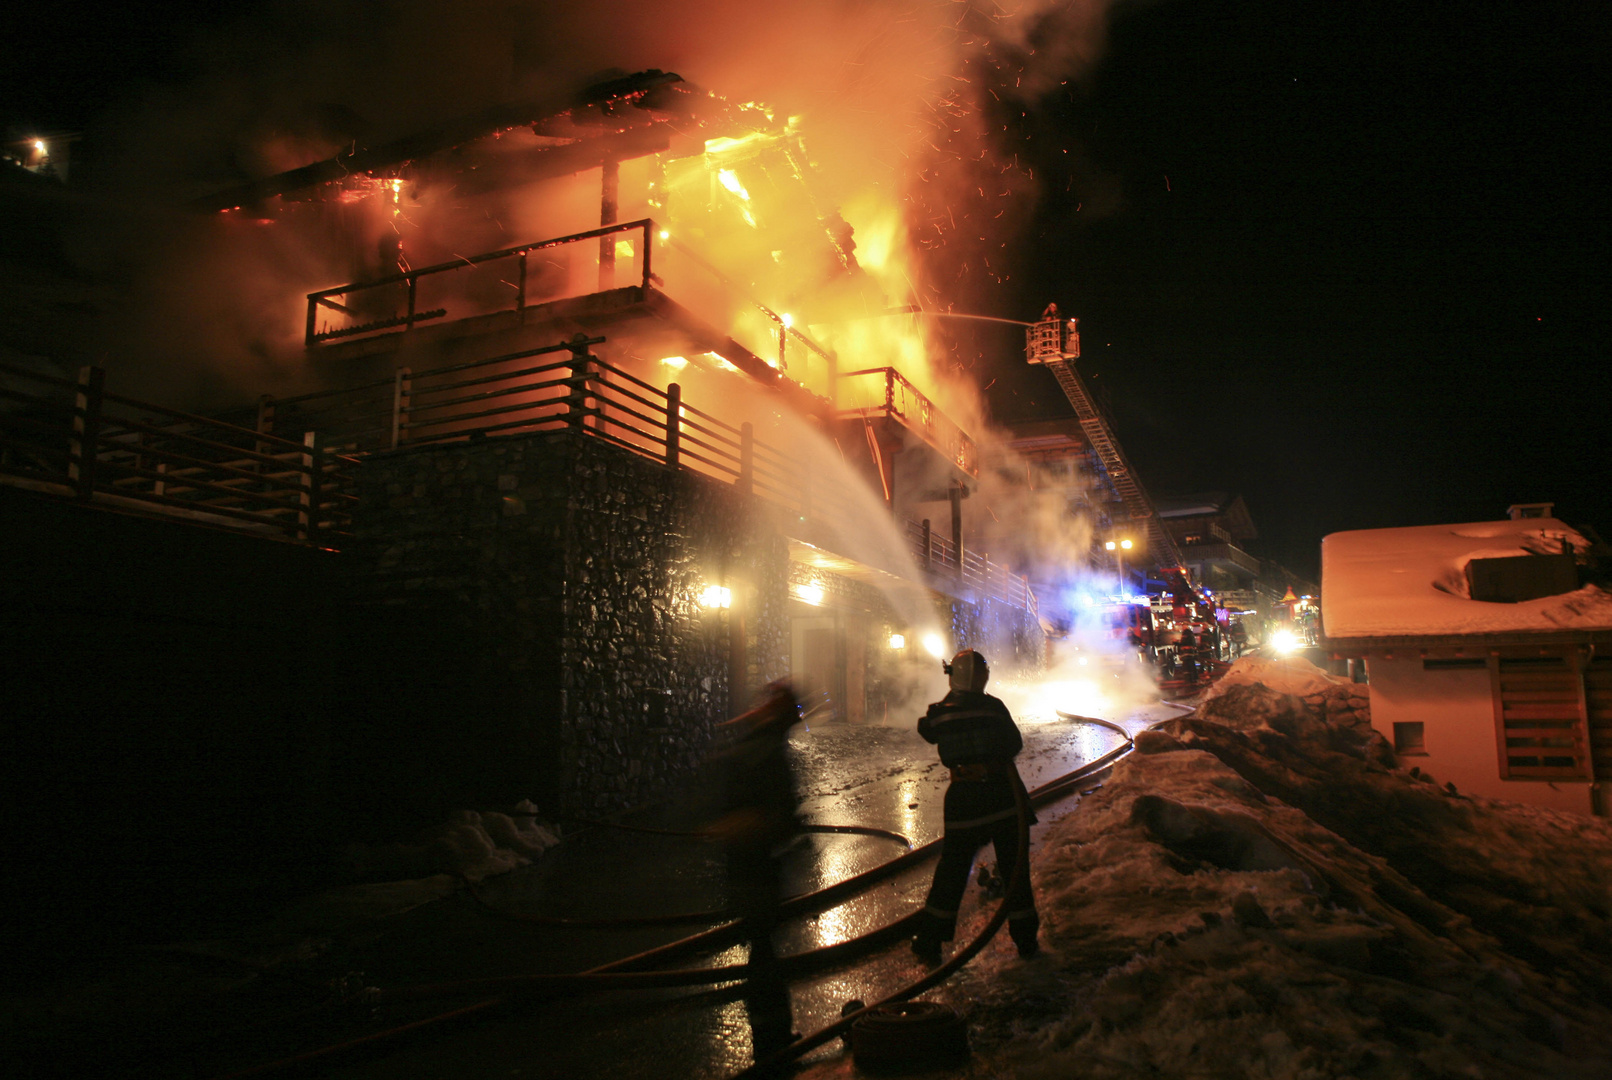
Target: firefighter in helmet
(977, 740)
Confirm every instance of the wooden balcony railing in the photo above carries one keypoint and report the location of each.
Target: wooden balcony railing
(394, 304)
(894, 397)
(73, 437)
(578, 391)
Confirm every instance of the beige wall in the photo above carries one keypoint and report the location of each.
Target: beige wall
(1456, 710)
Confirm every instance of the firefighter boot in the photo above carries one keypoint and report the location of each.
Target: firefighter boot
(1024, 934)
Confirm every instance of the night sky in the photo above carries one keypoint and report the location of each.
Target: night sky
(1347, 259)
(1356, 265)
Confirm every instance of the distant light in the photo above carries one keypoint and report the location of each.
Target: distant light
(1109, 546)
(716, 596)
(1126, 544)
(898, 641)
(787, 319)
(623, 249)
(1082, 661)
(665, 234)
(676, 363)
(935, 646)
(809, 594)
(1286, 641)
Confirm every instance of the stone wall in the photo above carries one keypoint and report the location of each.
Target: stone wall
(554, 584)
(1010, 638)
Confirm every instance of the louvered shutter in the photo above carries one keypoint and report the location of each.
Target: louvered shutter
(1539, 719)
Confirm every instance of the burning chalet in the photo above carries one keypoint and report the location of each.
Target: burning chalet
(611, 421)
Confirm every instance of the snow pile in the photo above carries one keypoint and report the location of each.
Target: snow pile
(1274, 899)
(1284, 674)
(471, 845)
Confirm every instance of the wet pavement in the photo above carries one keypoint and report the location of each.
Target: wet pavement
(886, 777)
(862, 775)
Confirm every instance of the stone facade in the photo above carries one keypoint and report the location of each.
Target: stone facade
(569, 574)
(537, 626)
(1010, 638)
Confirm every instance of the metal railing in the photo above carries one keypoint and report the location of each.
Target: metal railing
(371, 307)
(904, 403)
(976, 573)
(74, 438)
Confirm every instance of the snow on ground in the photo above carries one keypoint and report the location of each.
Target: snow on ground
(1283, 674)
(472, 845)
(1259, 892)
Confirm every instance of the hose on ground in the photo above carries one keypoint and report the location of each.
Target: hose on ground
(1021, 870)
(718, 936)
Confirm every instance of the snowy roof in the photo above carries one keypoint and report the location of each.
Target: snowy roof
(1411, 582)
(1201, 503)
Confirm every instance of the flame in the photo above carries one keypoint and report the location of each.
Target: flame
(730, 180)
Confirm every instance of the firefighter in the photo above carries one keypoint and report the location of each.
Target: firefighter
(978, 741)
(1187, 650)
(755, 819)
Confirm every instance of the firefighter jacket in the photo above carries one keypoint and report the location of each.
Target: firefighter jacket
(753, 787)
(971, 728)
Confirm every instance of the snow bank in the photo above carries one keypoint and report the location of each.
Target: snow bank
(1284, 674)
(471, 845)
(1412, 581)
(1272, 898)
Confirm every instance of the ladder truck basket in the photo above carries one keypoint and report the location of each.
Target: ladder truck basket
(1051, 339)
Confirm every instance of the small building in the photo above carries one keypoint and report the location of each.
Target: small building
(1488, 654)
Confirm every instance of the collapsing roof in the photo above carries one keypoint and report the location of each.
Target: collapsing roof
(1414, 582)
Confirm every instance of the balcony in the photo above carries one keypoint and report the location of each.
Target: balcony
(887, 395)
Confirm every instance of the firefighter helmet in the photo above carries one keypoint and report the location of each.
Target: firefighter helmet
(968, 671)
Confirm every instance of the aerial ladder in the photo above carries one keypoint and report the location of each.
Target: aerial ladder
(1054, 343)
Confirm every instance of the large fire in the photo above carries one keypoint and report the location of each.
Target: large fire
(745, 237)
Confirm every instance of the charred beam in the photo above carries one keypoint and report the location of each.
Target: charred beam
(424, 144)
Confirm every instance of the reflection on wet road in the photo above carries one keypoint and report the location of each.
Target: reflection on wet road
(846, 775)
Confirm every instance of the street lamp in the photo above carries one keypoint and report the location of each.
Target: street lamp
(1119, 548)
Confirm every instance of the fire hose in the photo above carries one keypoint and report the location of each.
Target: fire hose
(627, 973)
(662, 920)
(1021, 870)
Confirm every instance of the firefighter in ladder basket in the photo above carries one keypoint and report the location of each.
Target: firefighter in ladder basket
(977, 740)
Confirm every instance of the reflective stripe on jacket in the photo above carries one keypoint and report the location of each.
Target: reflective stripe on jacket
(970, 727)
